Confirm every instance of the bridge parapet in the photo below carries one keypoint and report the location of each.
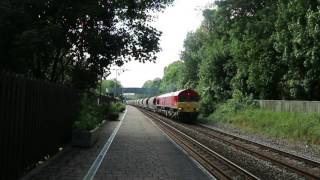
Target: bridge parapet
(147, 91)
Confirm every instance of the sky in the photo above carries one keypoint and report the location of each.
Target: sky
(174, 23)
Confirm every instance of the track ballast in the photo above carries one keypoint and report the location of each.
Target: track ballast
(222, 168)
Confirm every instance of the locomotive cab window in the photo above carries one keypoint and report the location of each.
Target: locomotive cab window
(188, 98)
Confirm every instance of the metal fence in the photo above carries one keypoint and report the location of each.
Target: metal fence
(290, 106)
(35, 120)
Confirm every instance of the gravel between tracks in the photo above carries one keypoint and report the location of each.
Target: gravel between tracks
(298, 148)
(260, 168)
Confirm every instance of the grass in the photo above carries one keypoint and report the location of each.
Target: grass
(294, 126)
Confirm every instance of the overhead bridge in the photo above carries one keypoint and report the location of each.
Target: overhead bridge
(147, 91)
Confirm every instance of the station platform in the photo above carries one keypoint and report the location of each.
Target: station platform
(141, 151)
(135, 149)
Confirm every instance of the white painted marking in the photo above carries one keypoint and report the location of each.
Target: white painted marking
(96, 164)
(181, 149)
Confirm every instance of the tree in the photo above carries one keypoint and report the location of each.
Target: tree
(265, 49)
(251, 26)
(192, 56)
(297, 42)
(171, 77)
(61, 41)
(155, 84)
(217, 67)
(107, 85)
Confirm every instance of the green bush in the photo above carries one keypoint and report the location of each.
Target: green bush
(104, 110)
(108, 111)
(115, 109)
(119, 107)
(89, 116)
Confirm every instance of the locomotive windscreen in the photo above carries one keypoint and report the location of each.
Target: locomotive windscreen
(189, 96)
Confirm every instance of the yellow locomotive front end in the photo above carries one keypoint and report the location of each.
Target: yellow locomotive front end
(188, 105)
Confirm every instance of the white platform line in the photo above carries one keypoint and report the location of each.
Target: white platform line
(96, 164)
(181, 149)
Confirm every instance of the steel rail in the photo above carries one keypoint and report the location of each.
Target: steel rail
(311, 174)
(283, 159)
(182, 138)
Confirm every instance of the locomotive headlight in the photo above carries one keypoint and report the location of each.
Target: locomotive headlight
(180, 109)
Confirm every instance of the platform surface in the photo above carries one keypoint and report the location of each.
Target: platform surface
(141, 151)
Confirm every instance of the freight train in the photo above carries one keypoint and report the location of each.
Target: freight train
(181, 105)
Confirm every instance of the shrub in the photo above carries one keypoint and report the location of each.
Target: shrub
(119, 107)
(111, 111)
(115, 109)
(89, 116)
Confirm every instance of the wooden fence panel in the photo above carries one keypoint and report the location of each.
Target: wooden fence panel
(35, 121)
(290, 106)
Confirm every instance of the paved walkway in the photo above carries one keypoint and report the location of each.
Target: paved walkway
(72, 163)
(139, 151)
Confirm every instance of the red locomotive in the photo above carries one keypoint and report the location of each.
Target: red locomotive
(182, 105)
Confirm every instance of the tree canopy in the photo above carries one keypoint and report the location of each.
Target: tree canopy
(74, 42)
(107, 85)
(264, 49)
(171, 81)
(152, 83)
(171, 77)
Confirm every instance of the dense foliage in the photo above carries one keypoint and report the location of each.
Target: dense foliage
(92, 114)
(75, 41)
(264, 49)
(105, 86)
(171, 77)
(171, 81)
(152, 83)
(254, 49)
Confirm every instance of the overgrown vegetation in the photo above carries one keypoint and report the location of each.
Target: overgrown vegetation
(91, 114)
(105, 86)
(118, 107)
(267, 49)
(253, 49)
(296, 126)
(170, 81)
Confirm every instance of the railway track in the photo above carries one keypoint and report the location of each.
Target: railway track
(217, 165)
(299, 165)
(303, 166)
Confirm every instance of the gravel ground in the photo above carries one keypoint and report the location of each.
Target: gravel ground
(260, 168)
(297, 148)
